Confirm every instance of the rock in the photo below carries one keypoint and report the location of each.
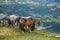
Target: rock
(58, 36)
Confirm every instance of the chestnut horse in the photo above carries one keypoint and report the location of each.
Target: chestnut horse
(28, 22)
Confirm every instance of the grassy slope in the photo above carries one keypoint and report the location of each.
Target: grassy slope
(9, 33)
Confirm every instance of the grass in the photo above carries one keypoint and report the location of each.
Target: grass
(10, 33)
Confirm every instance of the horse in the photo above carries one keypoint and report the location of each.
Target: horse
(12, 20)
(38, 21)
(2, 18)
(28, 22)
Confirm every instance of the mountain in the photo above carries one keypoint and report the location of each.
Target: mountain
(47, 10)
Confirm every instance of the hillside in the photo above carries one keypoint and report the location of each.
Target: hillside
(47, 10)
(13, 33)
(50, 16)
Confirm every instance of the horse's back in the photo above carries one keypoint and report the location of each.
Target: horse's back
(12, 17)
(26, 20)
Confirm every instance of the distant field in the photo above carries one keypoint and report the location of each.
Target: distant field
(10, 33)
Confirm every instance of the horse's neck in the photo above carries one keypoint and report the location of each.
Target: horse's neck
(35, 19)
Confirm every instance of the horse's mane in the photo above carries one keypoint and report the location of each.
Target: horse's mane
(26, 17)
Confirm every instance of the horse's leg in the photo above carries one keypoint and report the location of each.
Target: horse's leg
(15, 22)
(9, 22)
(29, 28)
(22, 27)
(12, 23)
(33, 27)
(3, 22)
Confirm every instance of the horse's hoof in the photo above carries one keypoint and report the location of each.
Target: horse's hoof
(30, 31)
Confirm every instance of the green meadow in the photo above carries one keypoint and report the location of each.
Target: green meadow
(13, 33)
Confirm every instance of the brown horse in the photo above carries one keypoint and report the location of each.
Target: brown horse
(28, 22)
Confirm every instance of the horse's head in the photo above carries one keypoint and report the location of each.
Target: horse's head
(37, 20)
